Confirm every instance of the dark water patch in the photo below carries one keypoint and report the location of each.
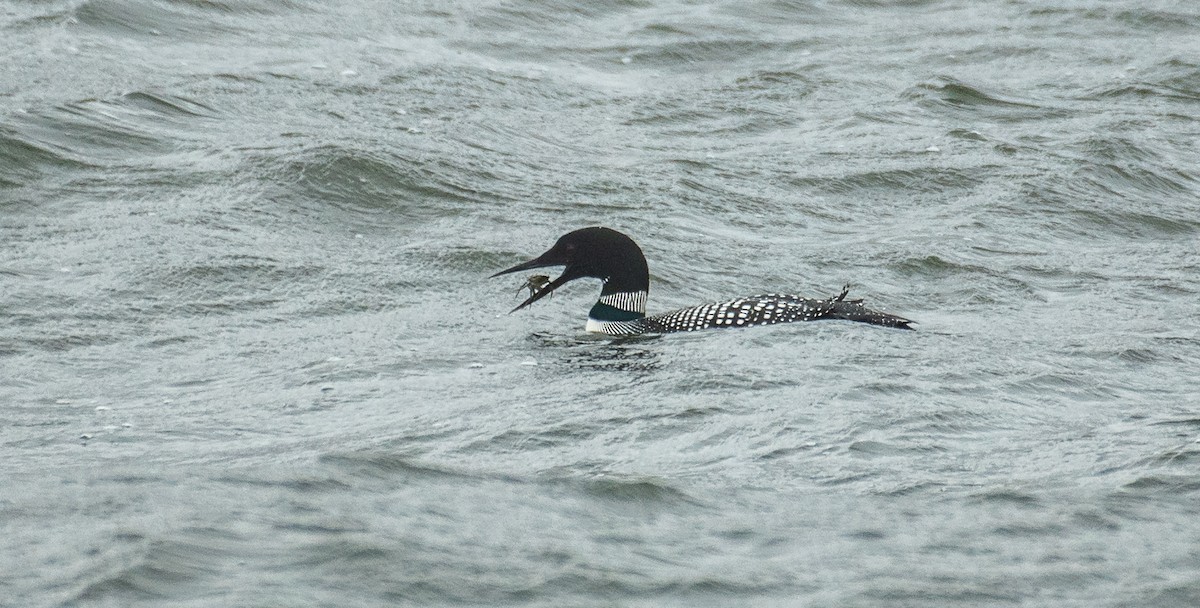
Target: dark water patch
(869, 535)
(1070, 207)
(1163, 485)
(155, 569)
(1119, 150)
(976, 283)
(1152, 20)
(722, 52)
(1010, 497)
(1174, 80)
(929, 425)
(310, 484)
(1071, 384)
(516, 147)
(552, 14)
(886, 4)
(404, 441)
(328, 529)
(967, 135)
(371, 190)
(886, 116)
(869, 391)
(1141, 91)
(717, 383)
(469, 261)
(390, 467)
(225, 272)
(660, 31)
(583, 584)
(1126, 168)
(339, 554)
(1029, 530)
(192, 383)
(685, 414)
(1182, 341)
(1183, 594)
(165, 106)
(170, 341)
(19, 17)
(775, 84)
(1130, 180)
(1179, 76)
(703, 188)
(694, 412)
(25, 162)
(894, 182)
(247, 8)
(953, 592)
(1138, 355)
(1092, 518)
(480, 95)
(698, 116)
(520, 440)
(1187, 423)
(916, 488)
(1185, 456)
(996, 51)
(225, 285)
(227, 306)
(1072, 280)
(116, 131)
(365, 181)
(787, 14)
(640, 491)
(67, 325)
(951, 94)
(1137, 501)
(60, 342)
(179, 20)
(848, 479)
(959, 549)
(785, 452)
(868, 448)
(223, 82)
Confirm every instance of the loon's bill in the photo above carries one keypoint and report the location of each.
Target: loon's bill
(614, 258)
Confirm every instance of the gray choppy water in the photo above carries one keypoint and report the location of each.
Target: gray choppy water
(248, 355)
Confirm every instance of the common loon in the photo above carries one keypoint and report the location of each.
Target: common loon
(614, 258)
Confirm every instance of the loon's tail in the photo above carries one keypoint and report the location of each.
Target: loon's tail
(853, 310)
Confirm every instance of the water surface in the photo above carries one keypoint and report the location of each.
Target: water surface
(249, 354)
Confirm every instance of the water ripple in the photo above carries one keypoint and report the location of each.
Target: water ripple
(113, 131)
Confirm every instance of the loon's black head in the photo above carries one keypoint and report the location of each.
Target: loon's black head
(600, 253)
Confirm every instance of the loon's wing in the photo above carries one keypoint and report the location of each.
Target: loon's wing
(854, 310)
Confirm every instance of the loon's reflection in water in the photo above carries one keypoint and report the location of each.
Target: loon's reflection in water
(596, 351)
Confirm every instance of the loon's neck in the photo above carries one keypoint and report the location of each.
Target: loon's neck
(616, 307)
(622, 306)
